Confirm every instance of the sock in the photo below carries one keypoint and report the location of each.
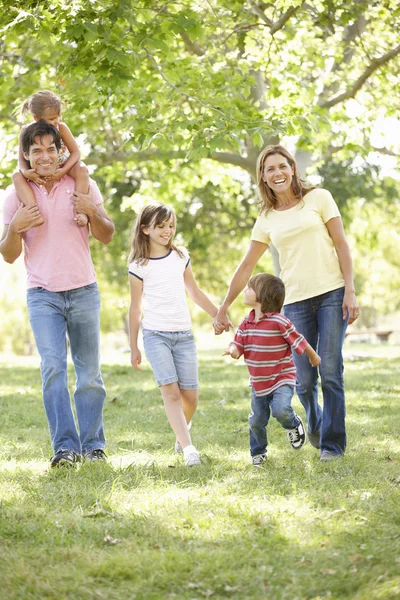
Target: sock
(189, 450)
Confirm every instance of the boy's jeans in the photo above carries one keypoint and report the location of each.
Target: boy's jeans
(279, 403)
(320, 320)
(53, 317)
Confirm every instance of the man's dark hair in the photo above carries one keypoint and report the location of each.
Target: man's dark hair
(39, 129)
(270, 291)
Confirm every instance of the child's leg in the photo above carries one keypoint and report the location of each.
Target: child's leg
(25, 194)
(172, 398)
(81, 175)
(281, 407)
(190, 400)
(258, 421)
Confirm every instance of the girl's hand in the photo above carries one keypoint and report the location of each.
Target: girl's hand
(31, 175)
(136, 359)
(350, 306)
(55, 177)
(221, 322)
(232, 351)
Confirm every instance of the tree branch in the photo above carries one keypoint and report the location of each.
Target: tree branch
(352, 91)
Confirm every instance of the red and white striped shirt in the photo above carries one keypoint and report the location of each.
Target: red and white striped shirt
(266, 345)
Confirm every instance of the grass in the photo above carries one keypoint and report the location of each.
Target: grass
(143, 526)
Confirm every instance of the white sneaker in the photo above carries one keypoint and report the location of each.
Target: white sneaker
(192, 459)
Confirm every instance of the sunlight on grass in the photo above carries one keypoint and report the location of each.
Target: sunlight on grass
(144, 526)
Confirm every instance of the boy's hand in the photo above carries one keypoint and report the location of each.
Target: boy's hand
(232, 351)
(315, 360)
(136, 359)
(31, 175)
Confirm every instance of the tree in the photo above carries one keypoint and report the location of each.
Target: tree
(161, 92)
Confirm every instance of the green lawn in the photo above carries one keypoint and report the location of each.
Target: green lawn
(143, 526)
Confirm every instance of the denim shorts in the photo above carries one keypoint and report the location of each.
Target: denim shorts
(172, 356)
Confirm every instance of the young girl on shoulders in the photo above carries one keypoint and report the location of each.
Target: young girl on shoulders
(47, 106)
(159, 274)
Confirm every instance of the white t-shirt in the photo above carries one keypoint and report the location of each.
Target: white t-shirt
(307, 256)
(164, 294)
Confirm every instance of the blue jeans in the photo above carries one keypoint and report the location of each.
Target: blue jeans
(320, 320)
(53, 317)
(172, 356)
(279, 403)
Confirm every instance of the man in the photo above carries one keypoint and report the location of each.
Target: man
(62, 296)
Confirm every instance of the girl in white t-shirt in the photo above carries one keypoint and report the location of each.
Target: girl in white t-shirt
(160, 274)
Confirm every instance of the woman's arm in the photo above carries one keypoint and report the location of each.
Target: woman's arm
(135, 315)
(336, 231)
(196, 294)
(238, 282)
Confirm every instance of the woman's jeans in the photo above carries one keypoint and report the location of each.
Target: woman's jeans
(320, 320)
(279, 403)
(53, 317)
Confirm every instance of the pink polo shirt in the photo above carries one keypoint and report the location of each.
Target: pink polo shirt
(57, 255)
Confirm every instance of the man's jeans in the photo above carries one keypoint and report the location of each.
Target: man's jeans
(53, 317)
(279, 403)
(320, 320)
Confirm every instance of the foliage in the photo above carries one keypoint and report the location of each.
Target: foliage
(173, 101)
(144, 526)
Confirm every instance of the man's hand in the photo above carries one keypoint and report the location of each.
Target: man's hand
(31, 175)
(84, 203)
(232, 351)
(25, 218)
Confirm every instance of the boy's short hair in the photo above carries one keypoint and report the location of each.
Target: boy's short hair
(39, 129)
(270, 291)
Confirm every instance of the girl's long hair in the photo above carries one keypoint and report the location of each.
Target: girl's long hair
(268, 200)
(39, 102)
(152, 214)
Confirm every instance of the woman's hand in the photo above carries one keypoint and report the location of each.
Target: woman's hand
(350, 306)
(221, 322)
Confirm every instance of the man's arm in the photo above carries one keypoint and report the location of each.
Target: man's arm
(10, 244)
(11, 241)
(101, 226)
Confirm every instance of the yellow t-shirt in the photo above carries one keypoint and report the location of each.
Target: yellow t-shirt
(307, 256)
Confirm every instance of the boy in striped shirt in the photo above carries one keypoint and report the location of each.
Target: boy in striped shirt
(266, 339)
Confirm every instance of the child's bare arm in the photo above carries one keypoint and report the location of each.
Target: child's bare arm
(196, 294)
(314, 358)
(70, 142)
(135, 313)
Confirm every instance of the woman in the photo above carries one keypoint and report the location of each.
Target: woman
(304, 224)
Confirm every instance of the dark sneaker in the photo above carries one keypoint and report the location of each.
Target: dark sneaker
(95, 455)
(259, 460)
(315, 439)
(328, 456)
(65, 458)
(297, 436)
